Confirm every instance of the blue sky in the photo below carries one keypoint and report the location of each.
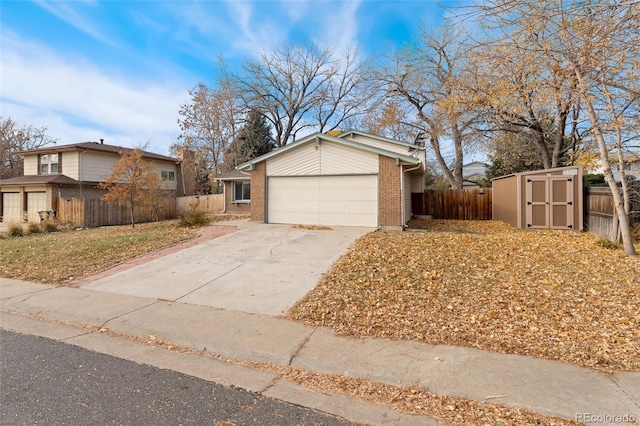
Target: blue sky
(120, 70)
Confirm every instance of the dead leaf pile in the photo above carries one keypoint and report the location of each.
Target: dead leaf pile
(312, 227)
(551, 294)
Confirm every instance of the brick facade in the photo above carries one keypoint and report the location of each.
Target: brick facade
(231, 207)
(258, 192)
(389, 193)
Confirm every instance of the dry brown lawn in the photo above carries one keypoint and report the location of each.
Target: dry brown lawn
(69, 256)
(551, 294)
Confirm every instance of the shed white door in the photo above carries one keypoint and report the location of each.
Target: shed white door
(36, 202)
(323, 200)
(11, 210)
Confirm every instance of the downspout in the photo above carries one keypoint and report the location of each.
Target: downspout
(224, 197)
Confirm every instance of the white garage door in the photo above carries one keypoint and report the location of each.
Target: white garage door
(36, 202)
(323, 200)
(11, 207)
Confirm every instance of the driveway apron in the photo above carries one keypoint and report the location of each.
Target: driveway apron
(261, 268)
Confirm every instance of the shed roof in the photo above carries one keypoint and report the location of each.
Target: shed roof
(537, 172)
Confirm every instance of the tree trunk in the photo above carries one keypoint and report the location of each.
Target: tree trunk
(623, 218)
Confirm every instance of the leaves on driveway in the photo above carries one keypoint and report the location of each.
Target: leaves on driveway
(551, 294)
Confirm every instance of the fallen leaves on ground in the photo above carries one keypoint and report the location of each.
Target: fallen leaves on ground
(61, 256)
(413, 400)
(482, 284)
(312, 227)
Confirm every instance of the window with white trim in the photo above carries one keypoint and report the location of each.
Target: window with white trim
(49, 164)
(241, 192)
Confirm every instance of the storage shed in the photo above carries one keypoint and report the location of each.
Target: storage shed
(541, 199)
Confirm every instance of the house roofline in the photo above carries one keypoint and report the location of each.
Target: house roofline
(352, 132)
(97, 147)
(345, 142)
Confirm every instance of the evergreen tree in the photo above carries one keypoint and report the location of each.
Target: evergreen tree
(253, 140)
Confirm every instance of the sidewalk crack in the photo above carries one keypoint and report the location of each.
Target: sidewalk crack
(636, 403)
(302, 344)
(104, 324)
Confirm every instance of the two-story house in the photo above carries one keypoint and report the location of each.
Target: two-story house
(70, 171)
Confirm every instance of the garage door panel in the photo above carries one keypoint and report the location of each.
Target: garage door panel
(323, 200)
(362, 207)
(363, 194)
(36, 202)
(11, 209)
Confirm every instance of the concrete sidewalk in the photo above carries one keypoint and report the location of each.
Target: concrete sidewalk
(547, 387)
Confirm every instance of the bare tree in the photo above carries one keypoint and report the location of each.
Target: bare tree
(298, 87)
(522, 93)
(346, 95)
(208, 124)
(429, 77)
(15, 138)
(597, 45)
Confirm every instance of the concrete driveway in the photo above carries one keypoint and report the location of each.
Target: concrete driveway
(261, 268)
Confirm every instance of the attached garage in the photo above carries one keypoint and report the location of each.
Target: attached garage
(36, 202)
(354, 179)
(11, 207)
(323, 200)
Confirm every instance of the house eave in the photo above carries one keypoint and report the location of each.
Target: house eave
(319, 137)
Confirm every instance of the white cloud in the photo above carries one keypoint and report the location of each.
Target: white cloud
(254, 36)
(339, 29)
(79, 101)
(68, 12)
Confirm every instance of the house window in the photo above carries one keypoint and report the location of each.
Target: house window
(49, 164)
(241, 192)
(168, 175)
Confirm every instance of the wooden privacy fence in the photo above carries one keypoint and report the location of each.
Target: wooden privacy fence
(599, 210)
(91, 213)
(462, 204)
(212, 203)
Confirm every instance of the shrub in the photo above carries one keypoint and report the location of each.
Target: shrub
(49, 226)
(16, 231)
(34, 228)
(603, 242)
(593, 179)
(194, 217)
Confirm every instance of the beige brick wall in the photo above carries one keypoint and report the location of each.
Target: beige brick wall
(390, 194)
(258, 191)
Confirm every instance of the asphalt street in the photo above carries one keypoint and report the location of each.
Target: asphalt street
(44, 382)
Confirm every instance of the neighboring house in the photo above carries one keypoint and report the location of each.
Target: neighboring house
(471, 172)
(69, 171)
(350, 179)
(631, 166)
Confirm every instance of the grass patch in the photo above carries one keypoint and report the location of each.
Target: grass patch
(16, 231)
(61, 256)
